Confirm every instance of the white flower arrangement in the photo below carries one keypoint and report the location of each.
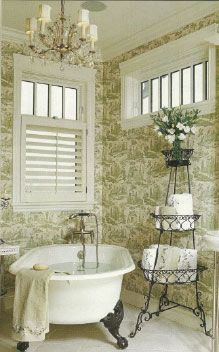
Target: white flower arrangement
(175, 124)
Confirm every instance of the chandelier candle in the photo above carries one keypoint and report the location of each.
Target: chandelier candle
(92, 35)
(44, 13)
(30, 28)
(83, 22)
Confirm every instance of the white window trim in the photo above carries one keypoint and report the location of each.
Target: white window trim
(85, 79)
(164, 59)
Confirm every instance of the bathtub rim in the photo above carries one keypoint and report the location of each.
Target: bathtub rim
(130, 266)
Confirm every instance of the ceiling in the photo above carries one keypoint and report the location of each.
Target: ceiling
(123, 25)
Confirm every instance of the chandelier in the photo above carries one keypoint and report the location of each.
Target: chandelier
(62, 40)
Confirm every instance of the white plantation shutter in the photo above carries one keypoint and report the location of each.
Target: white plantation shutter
(53, 163)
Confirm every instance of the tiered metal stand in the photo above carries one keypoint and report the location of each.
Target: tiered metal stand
(172, 224)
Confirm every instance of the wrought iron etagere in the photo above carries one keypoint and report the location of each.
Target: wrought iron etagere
(173, 223)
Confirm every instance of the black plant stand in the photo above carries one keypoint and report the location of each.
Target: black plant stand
(173, 223)
(113, 321)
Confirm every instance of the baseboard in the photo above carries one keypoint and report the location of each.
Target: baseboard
(132, 298)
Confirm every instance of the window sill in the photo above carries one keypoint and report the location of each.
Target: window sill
(34, 207)
(205, 107)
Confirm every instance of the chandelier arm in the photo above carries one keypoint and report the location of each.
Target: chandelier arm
(45, 41)
(39, 52)
(42, 52)
(62, 8)
(57, 33)
(71, 34)
(55, 30)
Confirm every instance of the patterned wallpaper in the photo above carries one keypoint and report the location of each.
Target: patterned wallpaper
(135, 176)
(130, 173)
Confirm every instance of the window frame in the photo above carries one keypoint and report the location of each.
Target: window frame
(157, 63)
(84, 80)
(62, 83)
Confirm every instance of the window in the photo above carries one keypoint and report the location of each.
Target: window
(154, 94)
(27, 97)
(145, 97)
(175, 84)
(53, 137)
(164, 91)
(178, 73)
(180, 89)
(186, 85)
(43, 99)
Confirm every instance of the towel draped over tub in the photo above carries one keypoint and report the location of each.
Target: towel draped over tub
(30, 316)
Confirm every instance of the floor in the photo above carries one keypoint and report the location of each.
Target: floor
(176, 331)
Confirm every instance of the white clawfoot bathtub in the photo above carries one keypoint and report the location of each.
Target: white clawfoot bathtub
(84, 296)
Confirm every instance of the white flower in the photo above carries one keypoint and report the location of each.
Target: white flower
(171, 131)
(186, 129)
(193, 129)
(164, 118)
(156, 128)
(159, 134)
(180, 126)
(171, 138)
(182, 136)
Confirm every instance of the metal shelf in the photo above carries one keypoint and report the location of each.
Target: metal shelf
(172, 277)
(176, 223)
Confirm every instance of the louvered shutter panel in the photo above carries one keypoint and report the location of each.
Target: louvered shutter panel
(54, 165)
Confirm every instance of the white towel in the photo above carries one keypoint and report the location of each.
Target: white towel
(163, 257)
(168, 223)
(148, 259)
(157, 222)
(183, 203)
(170, 258)
(30, 315)
(187, 260)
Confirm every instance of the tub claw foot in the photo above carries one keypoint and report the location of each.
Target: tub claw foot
(112, 322)
(22, 346)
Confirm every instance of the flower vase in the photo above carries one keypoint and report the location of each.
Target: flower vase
(176, 150)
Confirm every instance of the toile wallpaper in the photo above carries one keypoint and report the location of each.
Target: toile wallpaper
(130, 174)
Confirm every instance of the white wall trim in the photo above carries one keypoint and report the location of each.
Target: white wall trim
(182, 18)
(179, 48)
(27, 207)
(52, 69)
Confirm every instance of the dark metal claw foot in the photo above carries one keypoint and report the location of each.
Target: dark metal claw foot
(112, 322)
(22, 346)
